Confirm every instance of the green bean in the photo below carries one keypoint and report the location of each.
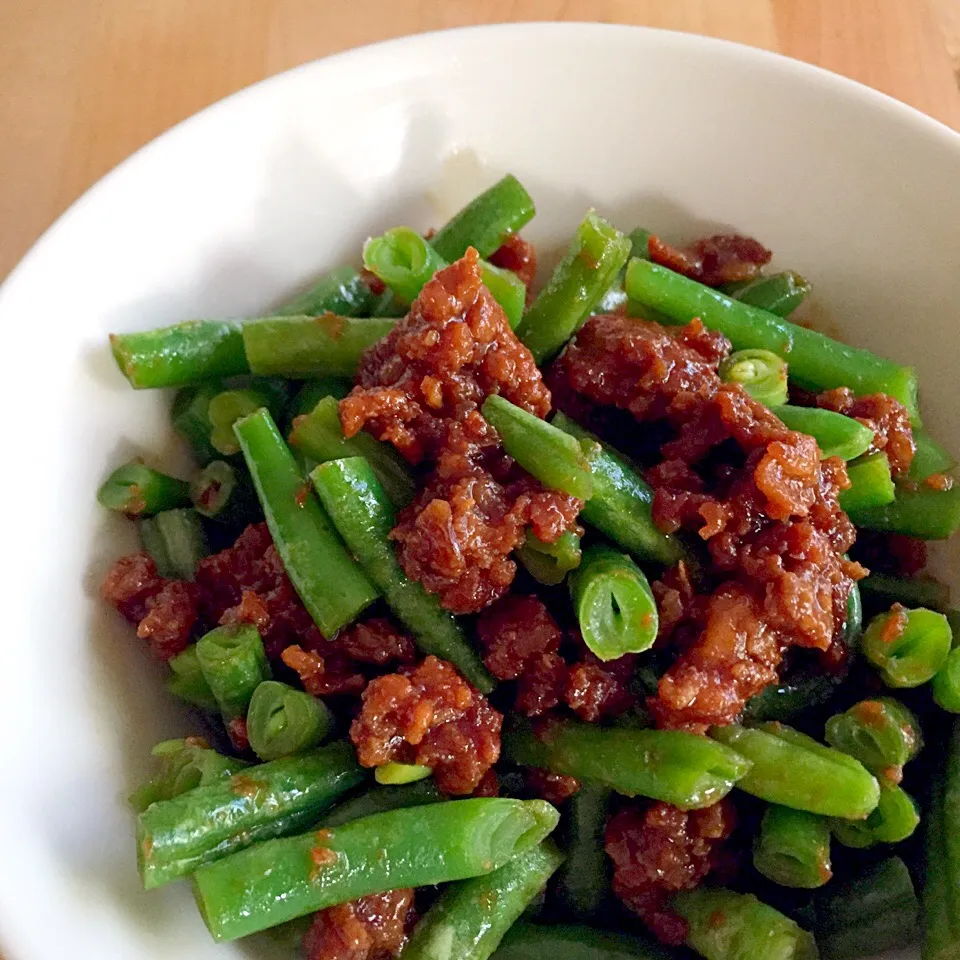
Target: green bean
(190, 416)
(853, 622)
(234, 663)
(595, 257)
(405, 261)
(640, 243)
(549, 563)
(326, 345)
(528, 941)
(183, 765)
(223, 492)
(794, 770)
(486, 221)
(380, 799)
(229, 406)
(723, 925)
(941, 889)
(319, 435)
(342, 291)
(836, 435)
(779, 293)
(181, 354)
(397, 774)
(882, 734)
(907, 646)
(871, 486)
(277, 881)
(929, 458)
(761, 373)
(555, 458)
(313, 391)
(816, 361)
(332, 586)
(362, 512)
(924, 513)
(176, 836)
(283, 721)
(583, 881)
(613, 603)
(470, 918)
(915, 591)
(895, 819)
(793, 848)
(868, 915)
(677, 767)
(176, 541)
(621, 505)
(787, 701)
(946, 683)
(139, 491)
(187, 681)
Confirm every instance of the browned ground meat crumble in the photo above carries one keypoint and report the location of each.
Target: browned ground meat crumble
(555, 788)
(723, 258)
(658, 850)
(431, 716)
(371, 928)
(519, 256)
(420, 389)
(754, 491)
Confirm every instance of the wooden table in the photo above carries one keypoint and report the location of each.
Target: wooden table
(83, 83)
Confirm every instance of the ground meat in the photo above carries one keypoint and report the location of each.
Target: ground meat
(542, 685)
(724, 258)
(453, 349)
(519, 256)
(171, 616)
(489, 785)
(555, 788)
(595, 689)
(371, 928)
(513, 632)
(377, 641)
(886, 417)
(659, 850)
(754, 491)
(429, 715)
(130, 583)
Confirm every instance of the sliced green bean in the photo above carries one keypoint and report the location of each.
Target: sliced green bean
(325, 345)
(190, 416)
(139, 491)
(332, 586)
(677, 767)
(595, 257)
(223, 492)
(621, 505)
(486, 221)
(895, 819)
(613, 603)
(229, 406)
(946, 683)
(924, 512)
(176, 836)
(787, 701)
(874, 912)
(723, 925)
(362, 512)
(314, 390)
(761, 373)
(908, 647)
(282, 721)
(342, 291)
(916, 591)
(187, 681)
(793, 848)
(380, 799)
(583, 880)
(555, 458)
(396, 774)
(319, 435)
(181, 354)
(794, 770)
(836, 435)
(277, 881)
(871, 486)
(882, 733)
(549, 563)
(929, 458)
(470, 918)
(234, 663)
(176, 541)
(816, 362)
(528, 941)
(778, 293)
(853, 623)
(183, 765)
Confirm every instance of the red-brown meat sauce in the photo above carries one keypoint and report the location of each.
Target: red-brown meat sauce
(420, 389)
(371, 928)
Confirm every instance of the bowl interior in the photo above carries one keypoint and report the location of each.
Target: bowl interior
(236, 208)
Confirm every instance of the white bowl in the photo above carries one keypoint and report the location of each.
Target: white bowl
(239, 206)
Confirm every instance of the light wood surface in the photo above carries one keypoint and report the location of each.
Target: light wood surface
(83, 83)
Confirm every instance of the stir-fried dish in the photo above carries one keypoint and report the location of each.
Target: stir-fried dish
(584, 623)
